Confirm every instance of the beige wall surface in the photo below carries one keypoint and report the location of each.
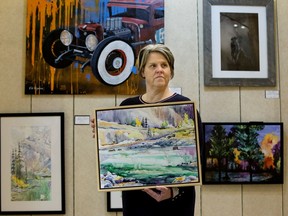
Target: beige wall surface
(183, 32)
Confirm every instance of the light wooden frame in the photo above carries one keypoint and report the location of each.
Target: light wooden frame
(144, 146)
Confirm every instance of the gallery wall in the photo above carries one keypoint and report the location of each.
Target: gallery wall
(184, 35)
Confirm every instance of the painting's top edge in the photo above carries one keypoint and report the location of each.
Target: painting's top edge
(240, 2)
(167, 104)
(243, 123)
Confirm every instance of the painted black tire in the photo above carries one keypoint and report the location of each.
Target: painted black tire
(113, 61)
(53, 47)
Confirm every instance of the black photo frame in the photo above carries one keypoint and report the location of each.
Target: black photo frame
(243, 153)
(32, 163)
(114, 201)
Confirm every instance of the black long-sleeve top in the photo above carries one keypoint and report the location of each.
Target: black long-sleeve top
(138, 203)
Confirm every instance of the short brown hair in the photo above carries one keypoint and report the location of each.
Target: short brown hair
(160, 48)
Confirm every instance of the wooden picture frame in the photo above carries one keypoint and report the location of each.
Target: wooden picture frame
(144, 146)
(239, 46)
(32, 163)
(243, 153)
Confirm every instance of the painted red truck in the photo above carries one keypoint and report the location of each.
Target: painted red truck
(109, 48)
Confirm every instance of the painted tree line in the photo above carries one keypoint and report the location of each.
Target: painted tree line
(167, 121)
(18, 168)
(152, 130)
(239, 149)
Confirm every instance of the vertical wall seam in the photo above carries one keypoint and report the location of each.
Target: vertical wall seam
(276, 41)
(31, 103)
(240, 117)
(278, 74)
(240, 104)
(74, 162)
(199, 54)
(199, 88)
(242, 199)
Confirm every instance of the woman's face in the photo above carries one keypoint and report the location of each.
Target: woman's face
(157, 71)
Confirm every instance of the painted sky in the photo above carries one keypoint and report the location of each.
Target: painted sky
(274, 129)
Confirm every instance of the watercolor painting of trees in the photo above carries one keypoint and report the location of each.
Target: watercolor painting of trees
(32, 163)
(144, 146)
(243, 153)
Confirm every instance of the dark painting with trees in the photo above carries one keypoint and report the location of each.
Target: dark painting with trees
(243, 153)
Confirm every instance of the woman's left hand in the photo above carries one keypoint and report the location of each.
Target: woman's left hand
(162, 193)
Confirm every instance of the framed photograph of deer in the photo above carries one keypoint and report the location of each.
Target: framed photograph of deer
(147, 145)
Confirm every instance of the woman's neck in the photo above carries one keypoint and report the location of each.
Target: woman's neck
(156, 96)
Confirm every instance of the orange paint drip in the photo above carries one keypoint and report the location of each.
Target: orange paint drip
(42, 17)
(38, 12)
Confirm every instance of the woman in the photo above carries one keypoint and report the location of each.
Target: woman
(156, 65)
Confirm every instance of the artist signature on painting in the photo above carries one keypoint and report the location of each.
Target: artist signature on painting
(31, 88)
